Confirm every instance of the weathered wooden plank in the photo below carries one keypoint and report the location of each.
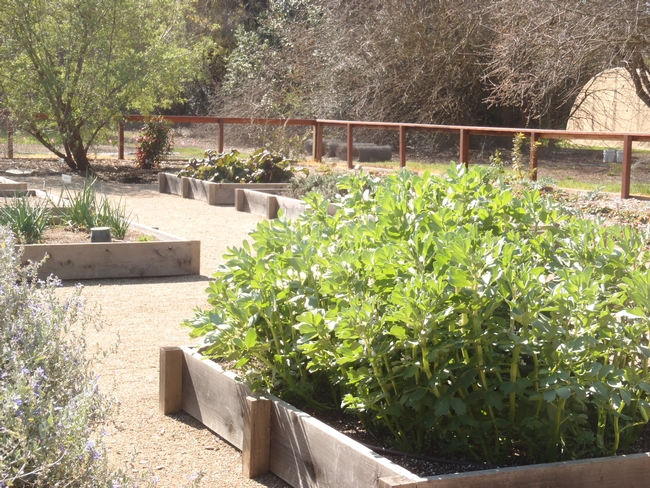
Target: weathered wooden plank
(170, 384)
(168, 183)
(196, 189)
(214, 397)
(259, 203)
(397, 482)
(291, 207)
(307, 453)
(612, 472)
(224, 193)
(14, 186)
(256, 450)
(81, 261)
(154, 231)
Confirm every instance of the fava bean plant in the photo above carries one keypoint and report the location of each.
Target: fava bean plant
(450, 311)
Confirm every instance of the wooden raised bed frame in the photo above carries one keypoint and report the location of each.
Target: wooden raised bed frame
(213, 193)
(276, 437)
(10, 187)
(260, 202)
(168, 256)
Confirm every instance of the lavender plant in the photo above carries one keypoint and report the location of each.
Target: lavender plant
(51, 409)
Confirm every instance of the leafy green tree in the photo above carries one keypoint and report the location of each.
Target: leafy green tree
(70, 68)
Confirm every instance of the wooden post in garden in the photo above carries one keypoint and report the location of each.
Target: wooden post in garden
(402, 146)
(220, 136)
(627, 166)
(10, 139)
(464, 147)
(170, 387)
(256, 451)
(120, 140)
(350, 155)
(534, 156)
(317, 142)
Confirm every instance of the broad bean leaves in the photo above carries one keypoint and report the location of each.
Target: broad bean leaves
(453, 311)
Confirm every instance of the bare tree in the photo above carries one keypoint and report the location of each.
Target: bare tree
(544, 51)
(413, 60)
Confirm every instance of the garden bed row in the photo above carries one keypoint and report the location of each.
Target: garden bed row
(210, 192)
(277, 437)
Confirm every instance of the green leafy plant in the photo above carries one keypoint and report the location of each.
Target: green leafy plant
(146, 238)
(51, 409)
(451, 311)
(26, 218)
(518, 161)
(113, 216)
(79, 210)
(261, 167)
(154, 143)
(85, 210)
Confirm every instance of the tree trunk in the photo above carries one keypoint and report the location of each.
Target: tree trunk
(76, 153)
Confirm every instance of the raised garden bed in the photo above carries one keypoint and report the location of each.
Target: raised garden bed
(9, 187)
(213, 193)
(276, 437)
(261, 202)
(167, 256)
(273, 435)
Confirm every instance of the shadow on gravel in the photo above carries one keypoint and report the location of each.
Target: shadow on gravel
(138, 281)
(269, 480)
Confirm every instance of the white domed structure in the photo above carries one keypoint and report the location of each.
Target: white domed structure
(608, 103)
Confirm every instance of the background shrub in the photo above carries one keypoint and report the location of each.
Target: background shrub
(451, 312)
(51, 410)
(153, 143)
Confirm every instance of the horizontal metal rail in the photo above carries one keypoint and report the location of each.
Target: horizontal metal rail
(464, 133)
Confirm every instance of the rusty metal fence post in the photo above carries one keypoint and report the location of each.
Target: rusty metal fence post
(350, 145)
(627, 166)
(120, 140)
(10, 139)
(317, 142)
(534, 157)
(402, 146)
(464, 147)
(221, 124)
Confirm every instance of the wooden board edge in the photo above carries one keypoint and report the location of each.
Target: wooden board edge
(159, 234)
(204, 402)
(189, 251)
(301, 464)
(630, 471)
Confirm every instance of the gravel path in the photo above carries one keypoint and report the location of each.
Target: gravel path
(144, 314)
